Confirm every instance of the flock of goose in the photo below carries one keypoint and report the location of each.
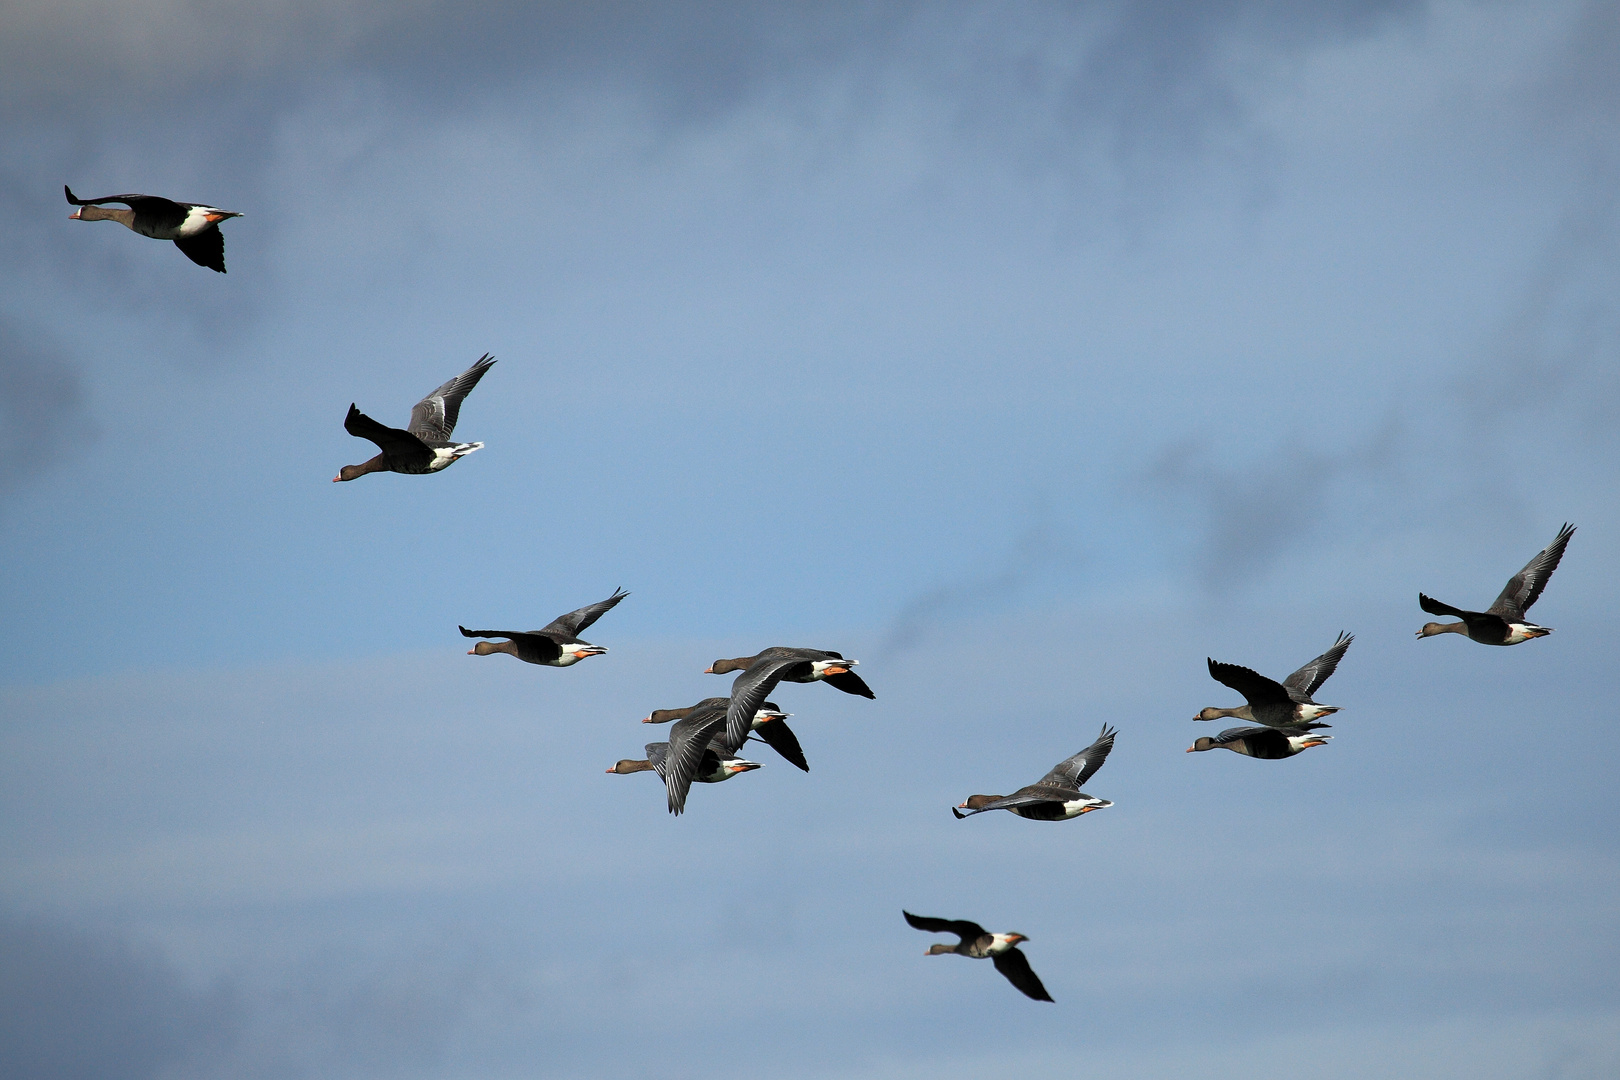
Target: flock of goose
(706, 739)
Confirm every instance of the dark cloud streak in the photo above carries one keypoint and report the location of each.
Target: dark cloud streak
(1247, 518)
(76, 1005)
(43, 405)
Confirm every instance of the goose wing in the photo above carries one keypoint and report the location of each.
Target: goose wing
(207, 248)
(1075, 771)
(1435, 607)
(397, 444)
(688, 742)
(967, 931)
(1525, 587)
(1307, 679)
(1015, 965)
(1255, 687)
(433, 419)
(571, 624)
(750, 690)
(1044, 792)
(658, 756)
(544, 647)
(780, 737)
(155, 205)
(849, 683)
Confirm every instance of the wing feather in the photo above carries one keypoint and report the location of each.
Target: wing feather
(1308, 678)
(967, 931)
(780, 738)
(433, 419)
(398, 445)
(688, 742)
(572, 623)
(1255, 687)
(1524, 588)
(1015, 965)
(1076, 770)
(207, 248)
(749, 692)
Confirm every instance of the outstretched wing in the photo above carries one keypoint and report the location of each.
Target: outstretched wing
(1525, 587)
(541, 645)
(397, 444)
(1435, 607)
(967, 931)
(433, 419)
(1032, 795)
(1015, 965)
(1075, 771)
(1255, 687)
(749, 692)
(207, 248)
(848, 682)
(1306, 680)
(780, 738)
(155, 206)
(571, 624)
(688, 742)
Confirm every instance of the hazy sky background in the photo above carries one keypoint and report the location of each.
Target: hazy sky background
(1030, 353)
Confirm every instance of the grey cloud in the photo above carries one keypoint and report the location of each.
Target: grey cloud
(42, 405)
(76, 1005)
(1039, 550)
(1557, 347)
(1247, 518)
(1162, 65)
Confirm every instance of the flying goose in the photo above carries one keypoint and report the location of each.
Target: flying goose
(769, 724)
(1264, 742)
(425, 446)
(1002, 949)
(1057, 795)
(1504, 622)
(762, 671)
(1274, 704)
(694, 753)
(556, 645)
(193, 228)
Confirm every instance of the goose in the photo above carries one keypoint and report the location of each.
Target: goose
(1274, 704)
(1269, 743)
(425, 446)
(769, 724)
(1002, 949)
(692, 754)
(556, 645)
(1057, 795)
(1504, 622)
(193, 228)
(762, 671)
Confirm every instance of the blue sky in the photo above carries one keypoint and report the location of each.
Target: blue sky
(1029, 353)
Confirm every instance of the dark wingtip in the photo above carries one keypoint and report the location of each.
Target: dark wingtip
(464, 631)
(958, 813)
(69, 193)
